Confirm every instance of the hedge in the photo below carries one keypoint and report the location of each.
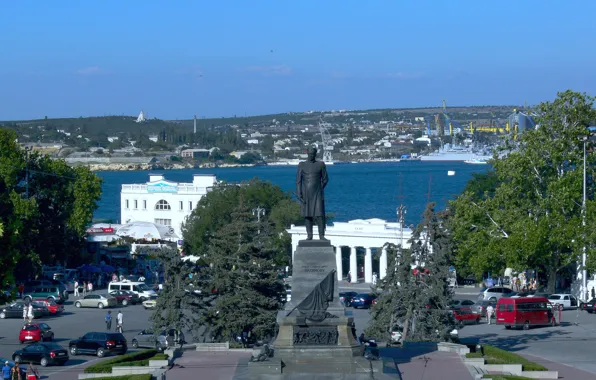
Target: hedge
(494, 355)
(133, 359)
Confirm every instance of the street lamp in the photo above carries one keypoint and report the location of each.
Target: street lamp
(258, 212)
(584, 290)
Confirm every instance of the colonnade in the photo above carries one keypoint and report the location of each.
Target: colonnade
(353, 263)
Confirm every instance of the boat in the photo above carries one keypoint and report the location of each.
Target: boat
(457, 153)
(476, 161)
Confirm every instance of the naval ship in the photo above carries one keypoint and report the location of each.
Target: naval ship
(458, 153)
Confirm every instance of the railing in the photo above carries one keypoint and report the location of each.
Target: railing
(180, 189)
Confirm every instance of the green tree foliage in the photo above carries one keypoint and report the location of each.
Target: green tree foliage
(45, 207)
(177, 306)
(242, 278)
(215, 211)
(415, 294)
(533, 217)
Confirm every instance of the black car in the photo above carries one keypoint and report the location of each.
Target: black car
(98, 343)
(42, 353)
(15, 310)
(346, 297)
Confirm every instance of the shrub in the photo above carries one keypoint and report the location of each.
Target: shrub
(106, 365)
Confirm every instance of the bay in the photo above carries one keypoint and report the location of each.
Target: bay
(355, 191)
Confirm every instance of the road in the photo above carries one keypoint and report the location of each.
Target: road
(72, 324)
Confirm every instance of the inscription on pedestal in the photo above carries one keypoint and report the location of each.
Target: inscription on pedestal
(310, 268)
(315, 336)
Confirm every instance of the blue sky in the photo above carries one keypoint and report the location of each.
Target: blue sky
(175, 59)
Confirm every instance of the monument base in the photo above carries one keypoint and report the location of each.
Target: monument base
(322, 348)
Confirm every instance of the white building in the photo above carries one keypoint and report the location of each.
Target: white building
(370, 235)
(161, 201)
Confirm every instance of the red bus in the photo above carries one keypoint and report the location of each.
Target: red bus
(525, 312)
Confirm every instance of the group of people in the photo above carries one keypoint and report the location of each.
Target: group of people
(119, 320)
(86, 287)
(28, 312)
(14, 373)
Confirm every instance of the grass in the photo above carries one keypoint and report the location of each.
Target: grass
(494, 355)
(135, 359)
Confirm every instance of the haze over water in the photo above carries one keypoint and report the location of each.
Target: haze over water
(355, 191)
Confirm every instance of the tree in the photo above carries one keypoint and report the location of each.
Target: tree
(415, 293)
(215, 211)
(533, 218)
(45, 207)
(178, 306)
(242, 278)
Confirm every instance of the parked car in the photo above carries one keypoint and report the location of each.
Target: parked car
(149, 304)
(97, 300)
(589, 306)
(137, 287)
(461, 303)
(53, 307)
(363, 300)
(465, 315)
(346, 297)
(29, 286)
(98, 343)
(40, 307)
(42, 353)
(35, 332)
(563, 301)
(525, 312)
(480, 307)
(57, 293)
(15, 310)
(495, 293)
(125, 297)
(165, 339)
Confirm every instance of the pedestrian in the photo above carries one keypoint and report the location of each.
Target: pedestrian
(25, 312)
(489, 313)
(32, 373)
(30, 312)
(349, 277)
(90, 287)
(361, 339)
(119, 321)
(84, 288)
(6, 371)
(21, 290)
(15, 372)
(76, 288)
(109, 320)
(374, 279)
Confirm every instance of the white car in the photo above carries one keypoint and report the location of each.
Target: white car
(149, 304)
(563, 301)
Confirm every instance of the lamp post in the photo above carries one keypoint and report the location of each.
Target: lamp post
(584, 291)
(258, 212)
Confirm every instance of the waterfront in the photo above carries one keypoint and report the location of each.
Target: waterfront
(355, 191)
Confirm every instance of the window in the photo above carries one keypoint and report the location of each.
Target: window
(144, 205)
(126, 203)
(181, 205)
(136, 204)
(165, 222)
(162, 205)
(190, 205)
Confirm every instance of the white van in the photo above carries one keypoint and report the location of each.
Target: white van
(137, 287)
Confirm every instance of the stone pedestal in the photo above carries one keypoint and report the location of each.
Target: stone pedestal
(317, 347)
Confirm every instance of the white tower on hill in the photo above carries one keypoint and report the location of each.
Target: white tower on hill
(141, 117)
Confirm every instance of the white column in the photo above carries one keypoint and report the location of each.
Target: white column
(368, 266)
(338, 263)
(294, 248)
(383, 264)
(353, 265)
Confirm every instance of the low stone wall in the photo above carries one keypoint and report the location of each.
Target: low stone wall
(213, 346)
(513, 369)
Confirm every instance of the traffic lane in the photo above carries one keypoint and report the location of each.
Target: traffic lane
(568, 343)
(72, 324)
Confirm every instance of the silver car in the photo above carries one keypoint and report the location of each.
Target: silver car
(97, 300)
(494, 293)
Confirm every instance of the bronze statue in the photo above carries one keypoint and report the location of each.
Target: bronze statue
(311, 179)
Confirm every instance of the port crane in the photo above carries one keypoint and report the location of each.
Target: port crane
(449, 120)
(326, 141)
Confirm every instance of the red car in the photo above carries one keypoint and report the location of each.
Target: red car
(125, 297)
(466, 315)
(51, 305)
(36, 332)
(589, 306)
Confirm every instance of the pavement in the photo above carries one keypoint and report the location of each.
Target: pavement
(205, 365)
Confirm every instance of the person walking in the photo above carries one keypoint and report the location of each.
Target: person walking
(109, 320)
(30, 312)
(21, 290)
(32, 373)
(489, 313)
(25, 312)
(84, 288)
(15, 372)
(6, 371)
(76, 288)
(90, 287)
(119, 321)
